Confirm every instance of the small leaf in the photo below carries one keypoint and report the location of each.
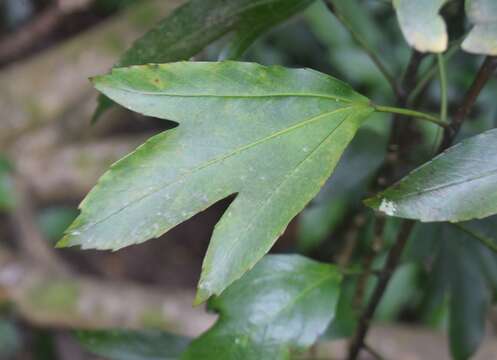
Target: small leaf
(268, 134)
(285, 303)
(133, 345)
(421, 24)
(193, 26)
(458, 185)
(482, 39)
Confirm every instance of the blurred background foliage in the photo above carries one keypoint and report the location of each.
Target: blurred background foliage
(448, 280)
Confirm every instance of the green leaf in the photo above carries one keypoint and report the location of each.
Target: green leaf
(285, 303)
(268, 134)
(254, 26)
(133, 345)
(465, 270)
(470, 296)
(458, 185)
(468, 309)
(422, 25)
(482, 39)
(345, 188)
(198, 23)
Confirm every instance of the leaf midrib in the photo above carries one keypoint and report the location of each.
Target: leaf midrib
(245, 96)
(450, 184)
(222, 158)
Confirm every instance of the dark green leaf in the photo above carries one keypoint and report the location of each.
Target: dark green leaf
(132, 345)
(465, 270)
(269, 134)
(282, 305)
(458, 185)
(482, 39)
(198, 23)
(421, 24)
(469, 301)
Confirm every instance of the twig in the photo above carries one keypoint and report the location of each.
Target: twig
(384, 178)
(395, 253)
(392, 261)
(484, 74)
(365, 47)
(425, 78)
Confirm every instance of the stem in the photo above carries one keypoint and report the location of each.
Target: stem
(430, 73)
(486, 241)
(484, 74)
(386, 175)
(442, 70)
(365, 46)
(443, 88)
(383, 279)
(412, 113)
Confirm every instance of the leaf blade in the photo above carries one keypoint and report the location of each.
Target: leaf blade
(458, 185)
(421, 24)
(269, 134)
(284, 303)
(482, 39)
(196, 24)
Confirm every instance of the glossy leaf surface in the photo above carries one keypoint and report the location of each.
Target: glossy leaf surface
(458, 185)
(280, 306)
(198, 23)
(268, 134)
(422, 25)
(131, 345)
(482, 39)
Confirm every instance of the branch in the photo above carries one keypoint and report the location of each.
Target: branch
(484, 74)
(383, 279)
(385, 176)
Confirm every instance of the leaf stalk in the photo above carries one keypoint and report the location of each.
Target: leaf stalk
(412, 113)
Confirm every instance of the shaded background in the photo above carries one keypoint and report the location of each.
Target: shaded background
(50, 157)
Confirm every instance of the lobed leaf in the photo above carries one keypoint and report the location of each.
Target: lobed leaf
(482, 39)
(193, 26)
(271, 135)
(422, 25)
(458, 185)
(284, 304)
